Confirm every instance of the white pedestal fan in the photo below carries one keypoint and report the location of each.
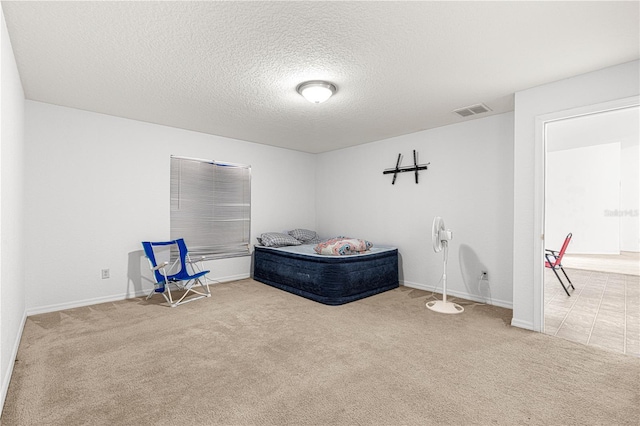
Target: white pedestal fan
(440, 238)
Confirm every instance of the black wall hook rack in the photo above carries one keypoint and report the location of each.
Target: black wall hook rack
(415, 168)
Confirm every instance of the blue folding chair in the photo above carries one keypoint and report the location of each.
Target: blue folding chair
(179, 270)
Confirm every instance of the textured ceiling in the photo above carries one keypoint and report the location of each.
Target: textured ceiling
(231, 68)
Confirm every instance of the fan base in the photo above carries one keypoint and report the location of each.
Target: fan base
(445, 307)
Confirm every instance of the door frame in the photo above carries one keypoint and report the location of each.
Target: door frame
(540, 190)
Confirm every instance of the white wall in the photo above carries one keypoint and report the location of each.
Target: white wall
(605, 85)
(615, 126)
(583, 183)
(629, 216)
(99, 185)
(12, 283)
(468, 183)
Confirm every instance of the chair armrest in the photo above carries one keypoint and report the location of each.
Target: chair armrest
(551, 262)
(188, 260)
(160, 266)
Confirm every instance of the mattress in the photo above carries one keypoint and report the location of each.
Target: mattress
(332, 280)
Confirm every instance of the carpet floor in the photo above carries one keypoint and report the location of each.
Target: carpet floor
(255, 355)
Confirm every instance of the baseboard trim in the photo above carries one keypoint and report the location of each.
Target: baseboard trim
(460, 294)
(6, 380)
(229, 278)
(114, 298)
(522, 324)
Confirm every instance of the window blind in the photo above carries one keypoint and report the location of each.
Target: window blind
(211, 207)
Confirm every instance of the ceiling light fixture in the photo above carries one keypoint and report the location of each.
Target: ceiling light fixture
(316, 91)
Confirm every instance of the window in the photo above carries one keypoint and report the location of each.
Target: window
(211, 207)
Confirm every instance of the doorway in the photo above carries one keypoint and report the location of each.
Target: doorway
(591, 190)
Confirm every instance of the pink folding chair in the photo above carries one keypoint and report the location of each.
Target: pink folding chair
(554, 261)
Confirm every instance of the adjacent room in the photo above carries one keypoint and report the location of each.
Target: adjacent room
(419, 177)
(592, 188)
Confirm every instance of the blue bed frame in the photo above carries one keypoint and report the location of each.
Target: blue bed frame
(332, 280)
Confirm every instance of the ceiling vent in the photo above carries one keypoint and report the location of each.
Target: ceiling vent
(472, 110)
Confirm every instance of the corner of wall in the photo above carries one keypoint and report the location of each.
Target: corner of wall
(12, 293)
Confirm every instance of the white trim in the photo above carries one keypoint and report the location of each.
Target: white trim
(86, 302)
(115, 298)
(538, 224)
(228, 278)
(14, 354)
(521, 324)
(539, 189)
(460, 294)
(617, 104)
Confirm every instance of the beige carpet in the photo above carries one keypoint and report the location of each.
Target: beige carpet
(255, 355)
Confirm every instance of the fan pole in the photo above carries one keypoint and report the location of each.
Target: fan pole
(442, 306)
(444, 272)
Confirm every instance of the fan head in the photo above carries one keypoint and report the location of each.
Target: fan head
(436, 229)
(439, 235)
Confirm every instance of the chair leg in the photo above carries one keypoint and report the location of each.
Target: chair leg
(155, 290)
(205, 286)
(561, 283)
(167, 295)
(567, 277)
(188, 288)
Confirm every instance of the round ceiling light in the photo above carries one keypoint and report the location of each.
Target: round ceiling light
(316, 91)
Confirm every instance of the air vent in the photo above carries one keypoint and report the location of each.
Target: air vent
(472, 110)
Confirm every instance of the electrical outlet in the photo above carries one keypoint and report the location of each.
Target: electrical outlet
(105, 274)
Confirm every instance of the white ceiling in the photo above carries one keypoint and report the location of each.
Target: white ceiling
(231, 68)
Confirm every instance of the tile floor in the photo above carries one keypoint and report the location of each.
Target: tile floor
(627, 263)
(603, 310)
